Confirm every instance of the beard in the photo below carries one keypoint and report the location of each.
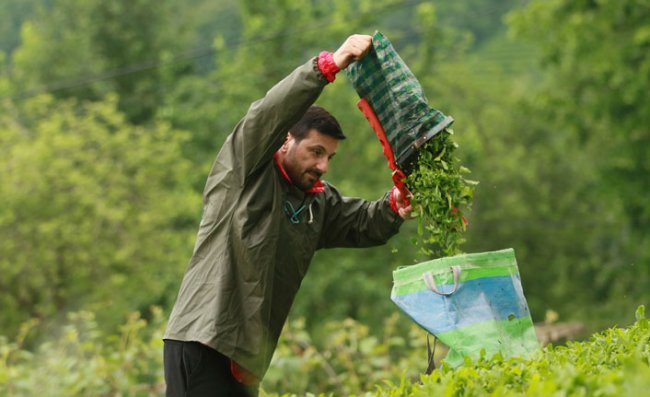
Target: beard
(301, 176)
(306, 179)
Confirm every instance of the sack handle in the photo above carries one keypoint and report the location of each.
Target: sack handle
(431, 283)
(431, 364)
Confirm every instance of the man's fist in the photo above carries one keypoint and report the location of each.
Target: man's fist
(353, 48)
(403, 210)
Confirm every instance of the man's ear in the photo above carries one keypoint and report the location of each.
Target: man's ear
(285, 145)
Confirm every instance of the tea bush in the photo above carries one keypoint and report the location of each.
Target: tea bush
(615, 362)
(80, 360)
(348, 360)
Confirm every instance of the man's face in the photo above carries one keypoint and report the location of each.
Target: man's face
(308, 159)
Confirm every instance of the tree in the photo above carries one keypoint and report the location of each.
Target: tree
(95, 213)
(596, 57)
(14, 12)
(86, 49)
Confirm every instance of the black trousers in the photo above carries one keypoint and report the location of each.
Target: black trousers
(195, 370)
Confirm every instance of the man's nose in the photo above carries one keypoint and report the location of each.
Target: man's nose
(322, 165)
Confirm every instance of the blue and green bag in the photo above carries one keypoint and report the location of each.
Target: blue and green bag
(471, 302)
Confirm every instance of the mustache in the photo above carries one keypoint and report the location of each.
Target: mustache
(314, 171)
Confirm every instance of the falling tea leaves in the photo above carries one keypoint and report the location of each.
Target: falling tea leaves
(441, 197)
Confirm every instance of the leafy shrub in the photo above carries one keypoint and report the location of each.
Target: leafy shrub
(90, 205)
(349, 359)
(82, 361)
(615, 362)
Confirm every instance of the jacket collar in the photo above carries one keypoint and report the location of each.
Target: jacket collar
(318, 186)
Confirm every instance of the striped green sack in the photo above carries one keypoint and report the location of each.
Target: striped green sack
(471, 302)
(396, 97)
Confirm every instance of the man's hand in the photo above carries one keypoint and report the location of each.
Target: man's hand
(354, 48)
(403, 210)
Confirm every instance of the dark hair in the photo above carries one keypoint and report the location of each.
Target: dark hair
(319, 119)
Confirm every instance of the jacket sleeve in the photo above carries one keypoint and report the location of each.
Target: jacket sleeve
(264, 127)
(354, 222)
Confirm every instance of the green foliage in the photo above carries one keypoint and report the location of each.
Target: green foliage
(441, 195)
(94, 212)
(64, 48)
(347, 360)
(554, 127)
(592, 48)
(596, 68)
(539, 190)
(614, 362)
(484, 17)
(58, 49)
(14, 12)
(80, 359)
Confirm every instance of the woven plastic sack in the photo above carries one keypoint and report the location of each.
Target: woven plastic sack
(471, 302)
(385, 83)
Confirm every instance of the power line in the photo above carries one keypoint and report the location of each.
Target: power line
(188, 55)
(199, 53)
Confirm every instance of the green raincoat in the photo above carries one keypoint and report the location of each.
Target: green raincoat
(249, 258)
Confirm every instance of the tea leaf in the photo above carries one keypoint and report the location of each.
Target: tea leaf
(441, 195)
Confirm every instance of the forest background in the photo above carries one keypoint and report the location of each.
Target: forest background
(111, 114)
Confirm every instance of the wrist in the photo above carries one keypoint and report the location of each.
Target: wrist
(327, 66)
(392, 202)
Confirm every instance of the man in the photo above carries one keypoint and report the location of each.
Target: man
(265, 213)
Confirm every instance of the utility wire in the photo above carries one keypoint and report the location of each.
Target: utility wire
(196, 54)
(189, 55)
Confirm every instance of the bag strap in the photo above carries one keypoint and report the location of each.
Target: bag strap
(431, 365)
(431, 282)
(398, 175)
